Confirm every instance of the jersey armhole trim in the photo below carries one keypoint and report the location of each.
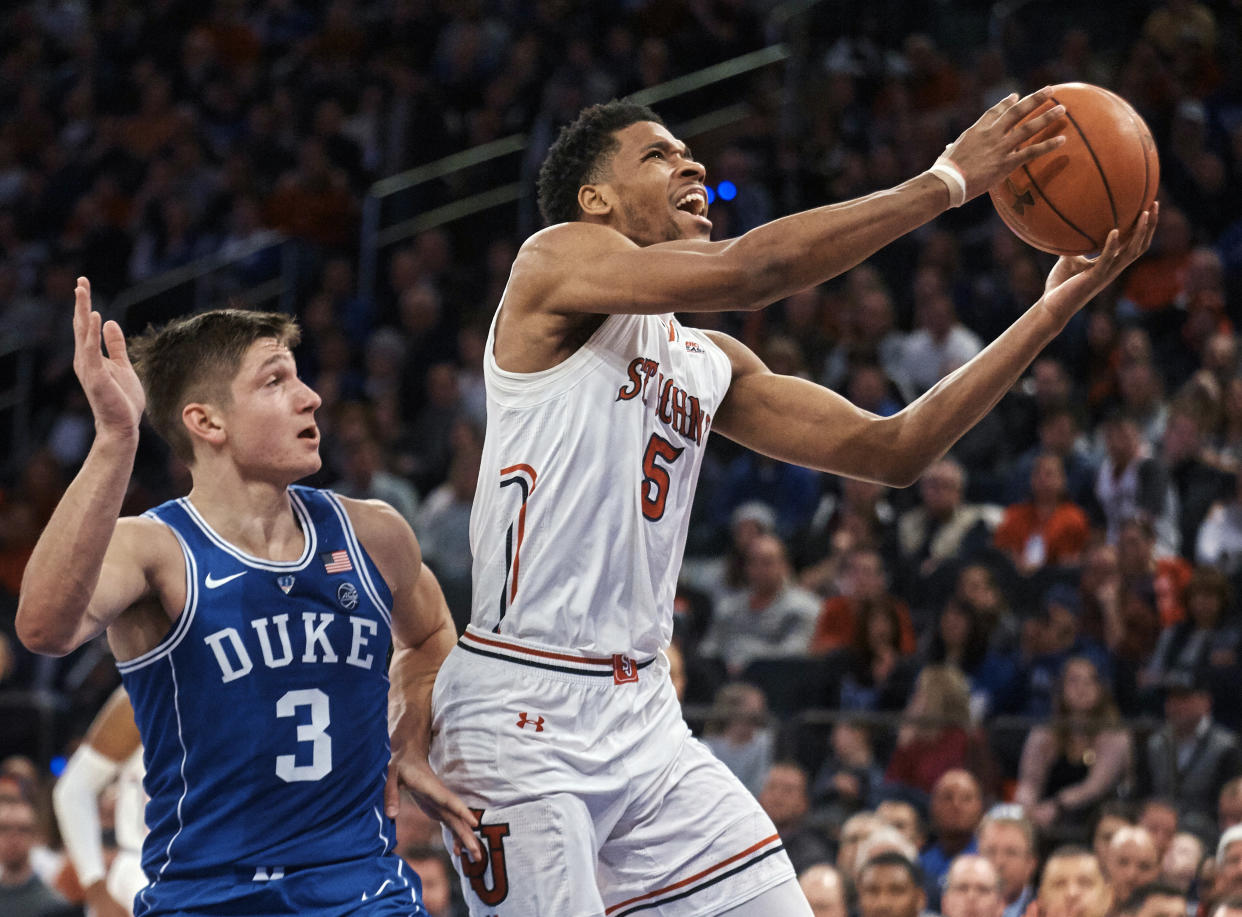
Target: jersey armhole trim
(184, 620)
(363, 567)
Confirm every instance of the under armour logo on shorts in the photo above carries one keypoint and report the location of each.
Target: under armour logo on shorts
(525, 721)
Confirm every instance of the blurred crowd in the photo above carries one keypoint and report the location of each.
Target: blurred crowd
(1048, 619)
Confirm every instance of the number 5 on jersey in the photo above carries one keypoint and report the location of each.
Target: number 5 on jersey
(655, 484)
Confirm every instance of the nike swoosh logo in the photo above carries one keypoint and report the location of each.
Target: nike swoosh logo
(211, 582)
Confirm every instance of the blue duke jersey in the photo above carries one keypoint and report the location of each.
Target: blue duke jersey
(263, 711)
(587, 478)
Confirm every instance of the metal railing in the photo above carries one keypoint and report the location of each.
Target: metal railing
(210, 282)
(375, 236)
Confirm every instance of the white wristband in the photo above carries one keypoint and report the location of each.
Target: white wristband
(947, 171)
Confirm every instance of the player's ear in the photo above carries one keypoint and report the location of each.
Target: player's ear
(595, 200)
(203, 422)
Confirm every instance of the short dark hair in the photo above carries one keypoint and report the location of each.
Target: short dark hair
(575, 157)
(195, 358)
(893, 858)
(1139, 896)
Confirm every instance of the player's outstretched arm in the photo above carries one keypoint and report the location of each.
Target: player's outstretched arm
(423, 635)
(800, 422)
(112, 738)
(86, 569)
(586, 267)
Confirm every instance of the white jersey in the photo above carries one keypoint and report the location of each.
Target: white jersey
(585, 487)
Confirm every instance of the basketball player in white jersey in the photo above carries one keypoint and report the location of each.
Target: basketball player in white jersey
(554, 716)
(110, 752)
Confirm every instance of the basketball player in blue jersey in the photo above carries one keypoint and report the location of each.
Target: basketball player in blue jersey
(555, 716)
(251, 622)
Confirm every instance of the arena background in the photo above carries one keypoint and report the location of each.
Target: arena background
(369, 166)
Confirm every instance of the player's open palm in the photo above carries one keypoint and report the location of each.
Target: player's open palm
(992, 147)
(1073, 281)
(110, 383)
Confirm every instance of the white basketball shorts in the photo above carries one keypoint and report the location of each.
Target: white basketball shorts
(595, 799)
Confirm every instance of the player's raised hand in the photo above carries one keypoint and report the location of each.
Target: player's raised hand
(1073, 281)
(412, 773)
(110, 383)
(988, 150)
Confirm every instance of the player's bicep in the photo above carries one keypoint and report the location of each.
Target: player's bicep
(583, 268)
(126, 576)
(796, 421)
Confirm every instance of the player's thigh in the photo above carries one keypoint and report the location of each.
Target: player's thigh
(785, 899)
(540, 861)
(696, 842)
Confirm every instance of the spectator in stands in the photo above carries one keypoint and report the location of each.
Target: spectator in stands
(771, 616)
(864, 584)
(1219, 541)
(1131, 482)
(739, 735)
(977, 588)
(1110, 817)
(785, 798)
(938, 534)
(1190, 758)
(1180, 865)
(1160, 818)
(22, 893)
(436, 872)
(857, 828)
(1080, 757)
(956, 810)
(1154, 899)
(1228, 864)
(972, 888)
(877, 675)
(1049, 530)
(718, 576)
(937, 735)
(1073, 883)
(859, 517)
(443, 523)
(1151, 593)
(939, 343)
(1131, 861)
(361, 460)
(1058, 433)
(824, 891)
(961, 639)
(902, 815)
(883, 839)
(849, 776)
(1052, 637)
(869, 332)
(1007, 838)
(889, 885)
(1229, 804)
(1209, 635)
(1196, 483)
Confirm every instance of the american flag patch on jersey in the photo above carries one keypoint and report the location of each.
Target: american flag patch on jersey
(336, 562)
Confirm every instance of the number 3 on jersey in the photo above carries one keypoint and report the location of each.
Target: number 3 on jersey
(314, 732)
(654, 488)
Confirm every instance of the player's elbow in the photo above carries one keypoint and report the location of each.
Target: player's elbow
(36, 633)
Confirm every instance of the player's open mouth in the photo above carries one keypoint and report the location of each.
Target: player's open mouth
(693, 201)
(311, 432)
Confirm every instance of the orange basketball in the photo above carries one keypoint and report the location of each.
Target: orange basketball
(1102, 178)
